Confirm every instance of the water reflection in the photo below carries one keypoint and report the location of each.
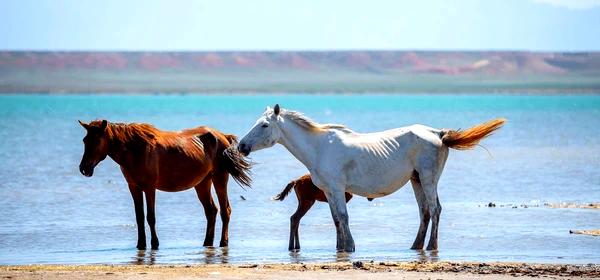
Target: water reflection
(296, 257)
(427, 256)
(214, 255)
(410, 255)
(144, 257)
(343, 256)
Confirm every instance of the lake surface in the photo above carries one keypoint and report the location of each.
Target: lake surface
(549, 151)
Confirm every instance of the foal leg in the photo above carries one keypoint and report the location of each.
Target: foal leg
(423, 213)
(210, 210)
(337, 204)
(138, 203)
(150, 217)
(303, 207)
(220, 182)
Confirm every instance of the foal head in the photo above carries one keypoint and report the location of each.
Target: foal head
(95, 146)
(264, 134)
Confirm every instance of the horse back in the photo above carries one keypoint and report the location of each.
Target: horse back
(377, 164)
(306, 190)
(183, 159)
(224, 140)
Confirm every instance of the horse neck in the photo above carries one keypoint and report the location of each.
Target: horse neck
(117, 144)
(303, 144)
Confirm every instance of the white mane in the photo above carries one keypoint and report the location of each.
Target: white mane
(309, 124)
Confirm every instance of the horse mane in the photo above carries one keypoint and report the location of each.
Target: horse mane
(133, 132)
(309, 124)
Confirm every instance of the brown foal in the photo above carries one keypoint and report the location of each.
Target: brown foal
(307, 193)
(152, 159)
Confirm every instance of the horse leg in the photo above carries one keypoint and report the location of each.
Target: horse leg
(337, 204)
(423, 213)
(210, 210)
(429, 183)
(151, 217)
(138, 203)
(303, 207)
(435, 209)
(220, 180)
(433, 238)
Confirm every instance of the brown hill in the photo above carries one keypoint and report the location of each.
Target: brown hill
(256, 71)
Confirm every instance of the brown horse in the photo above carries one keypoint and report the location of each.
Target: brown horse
(152, 159)
(307, 193)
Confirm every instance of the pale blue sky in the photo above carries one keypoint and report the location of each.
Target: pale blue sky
(299, 25)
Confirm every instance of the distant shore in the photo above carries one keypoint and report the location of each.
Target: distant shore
(301, 72)
(344, 270)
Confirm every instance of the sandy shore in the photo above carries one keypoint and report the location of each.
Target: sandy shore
(356, 270)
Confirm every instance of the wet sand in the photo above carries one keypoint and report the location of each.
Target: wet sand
(356, 270)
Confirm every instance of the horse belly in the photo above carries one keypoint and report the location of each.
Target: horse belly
(378, 189)
(378, 182)
(182, 174)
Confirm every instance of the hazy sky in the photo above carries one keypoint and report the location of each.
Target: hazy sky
(299, 25)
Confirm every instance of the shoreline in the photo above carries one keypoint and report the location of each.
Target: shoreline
(336, 270)
(545, 92)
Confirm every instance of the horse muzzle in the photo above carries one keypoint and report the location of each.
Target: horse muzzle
(86, 170)
(244, 149)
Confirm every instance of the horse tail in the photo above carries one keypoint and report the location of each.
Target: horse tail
(284, 193)
(237, 166)
(468, 139)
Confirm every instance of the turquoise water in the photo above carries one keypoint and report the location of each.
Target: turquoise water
(549, 151)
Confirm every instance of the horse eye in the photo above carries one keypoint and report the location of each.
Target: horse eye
(265, 125)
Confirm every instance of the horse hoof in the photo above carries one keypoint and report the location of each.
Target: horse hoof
(349, 247)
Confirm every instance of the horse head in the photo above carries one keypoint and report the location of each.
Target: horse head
(95, 146)
(264, 134)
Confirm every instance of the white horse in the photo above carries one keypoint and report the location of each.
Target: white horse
(371, 165)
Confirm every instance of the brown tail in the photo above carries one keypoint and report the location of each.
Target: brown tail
(237, 166)
(468, 139)
(284, 193)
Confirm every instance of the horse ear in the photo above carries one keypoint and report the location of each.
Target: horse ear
(276, 110)
(85, 125)
(103, 125)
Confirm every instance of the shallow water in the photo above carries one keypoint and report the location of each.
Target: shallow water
(549, 151)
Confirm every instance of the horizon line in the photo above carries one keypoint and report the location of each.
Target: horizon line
(293, 50)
